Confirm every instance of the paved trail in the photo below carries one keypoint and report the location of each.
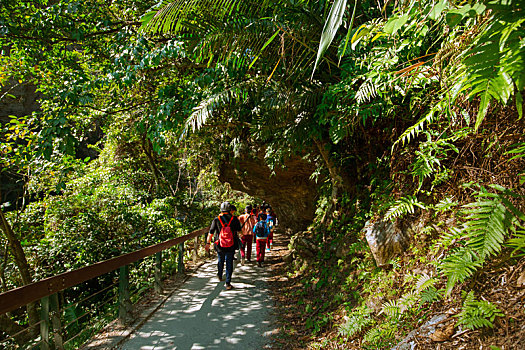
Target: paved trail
(203, 315)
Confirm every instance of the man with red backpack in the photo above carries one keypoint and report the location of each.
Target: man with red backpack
(224, 233)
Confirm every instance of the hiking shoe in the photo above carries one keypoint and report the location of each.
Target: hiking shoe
(242, 261)
(229, 287)
(259, 263)
(249, 260)
(267, 249)
(219, 277)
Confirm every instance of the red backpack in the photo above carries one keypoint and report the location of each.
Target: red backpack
(226, 235)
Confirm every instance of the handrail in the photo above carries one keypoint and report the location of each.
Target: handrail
(18, 297)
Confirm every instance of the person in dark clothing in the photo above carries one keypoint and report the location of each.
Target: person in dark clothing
(224, 254)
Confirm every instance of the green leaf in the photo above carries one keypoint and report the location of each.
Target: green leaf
(437, 10)
(395, 23)
(335, 18)
(349, 31)
(263, 47)
(453, 17)
(361, 32)
(483, 107)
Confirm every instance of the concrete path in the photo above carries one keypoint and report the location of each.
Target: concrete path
(203, 315)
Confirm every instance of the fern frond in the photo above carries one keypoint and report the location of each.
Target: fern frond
(487, 224)
(489, 219)
(424, 282)
(408, 300)
(477, 314)
(413, 131)
(358, 320)
(450, 236)
(366, 92)
(518, 243)
(493, 65)
(390, 308)
(403, 206)
(458, 266)
(381, 332)
(431, 295)
(206, 107)
(445, 204)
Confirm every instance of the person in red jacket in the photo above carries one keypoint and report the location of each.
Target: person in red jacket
(247, 221)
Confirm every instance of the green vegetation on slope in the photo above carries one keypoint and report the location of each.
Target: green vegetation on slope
(412, 111)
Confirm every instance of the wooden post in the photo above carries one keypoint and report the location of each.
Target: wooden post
(158, 272)
(57, 324)
(123, 294)
(44, 325)
(180, 263)
(195, 248)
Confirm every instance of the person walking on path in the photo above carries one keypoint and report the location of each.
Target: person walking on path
(270, 222)
(261, 236)
(224, 233)
(247, 221)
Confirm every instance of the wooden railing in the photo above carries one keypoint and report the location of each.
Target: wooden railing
(46, 290)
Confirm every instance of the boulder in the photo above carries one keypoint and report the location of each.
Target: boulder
(387, 239)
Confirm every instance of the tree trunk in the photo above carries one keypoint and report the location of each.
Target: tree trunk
(335, 177)
(23, 267)
(147, 147)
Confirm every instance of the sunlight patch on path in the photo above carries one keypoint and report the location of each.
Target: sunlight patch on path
(203, 315)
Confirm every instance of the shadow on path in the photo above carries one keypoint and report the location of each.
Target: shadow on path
(203, 315)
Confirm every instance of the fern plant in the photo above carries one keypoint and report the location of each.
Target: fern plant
(430, 154)
(382, 336)
(366, 92)
(518, 243)
(403, 206)
(477, 314)
(488, 222)
(358, 320)
(492, 67)
(518, 151)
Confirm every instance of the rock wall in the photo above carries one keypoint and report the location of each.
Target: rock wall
(290, 191)
(24, 102)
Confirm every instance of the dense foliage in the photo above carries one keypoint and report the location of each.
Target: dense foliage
(412, 111)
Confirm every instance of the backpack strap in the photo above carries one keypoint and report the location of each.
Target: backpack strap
(222, 224)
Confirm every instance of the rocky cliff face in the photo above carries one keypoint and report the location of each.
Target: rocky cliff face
(24, 102)
(290, 191)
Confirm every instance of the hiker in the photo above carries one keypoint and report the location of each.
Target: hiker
(270, 222)
(261, 236)
(224, 233)
(233, 210)
(247, 220)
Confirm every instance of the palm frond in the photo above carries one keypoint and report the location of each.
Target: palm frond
(175, 16)
(332, 24)
(206, 107)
